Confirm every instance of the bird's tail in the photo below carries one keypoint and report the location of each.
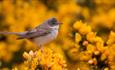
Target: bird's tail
(7, 33)
(20, 34)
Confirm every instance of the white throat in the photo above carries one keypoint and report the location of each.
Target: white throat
(55, 27)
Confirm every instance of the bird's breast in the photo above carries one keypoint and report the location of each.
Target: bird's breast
(46, 38)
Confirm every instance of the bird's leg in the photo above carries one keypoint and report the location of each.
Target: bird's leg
(41, 48)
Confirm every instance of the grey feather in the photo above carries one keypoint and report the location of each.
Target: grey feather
(35, 33)
(29, 34)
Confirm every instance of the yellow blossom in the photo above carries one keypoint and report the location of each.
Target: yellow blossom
(111, 38)
(85, 56)
(77, 25)
(91, 48)
(91, 36)
(85, 29)
(73, 54)
(77, 37)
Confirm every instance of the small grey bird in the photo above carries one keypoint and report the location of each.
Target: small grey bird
(42, 34)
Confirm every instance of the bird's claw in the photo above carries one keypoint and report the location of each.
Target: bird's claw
(42, 49)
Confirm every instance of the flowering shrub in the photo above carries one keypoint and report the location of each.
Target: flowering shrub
(86, 39)
(44, 60)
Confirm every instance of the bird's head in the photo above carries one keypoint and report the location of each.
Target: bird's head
(53, 23)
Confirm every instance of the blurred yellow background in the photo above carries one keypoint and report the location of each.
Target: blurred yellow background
(86, 39)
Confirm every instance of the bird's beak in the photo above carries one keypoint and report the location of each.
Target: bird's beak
(60, 23)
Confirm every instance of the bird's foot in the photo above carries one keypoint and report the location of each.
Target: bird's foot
(42, 49)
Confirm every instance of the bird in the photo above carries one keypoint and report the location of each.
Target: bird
(40, 35)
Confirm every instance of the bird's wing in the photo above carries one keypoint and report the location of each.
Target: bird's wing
(35, 33)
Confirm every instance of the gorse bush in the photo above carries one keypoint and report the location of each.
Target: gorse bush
(86, 39)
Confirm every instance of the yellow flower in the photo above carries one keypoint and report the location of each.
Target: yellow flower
(90, 48)
(85, 29)
(85, 56)
(111, 39)
(100, 47)
(77, 25)
(91, 36)
(26, 55)
(73, 54)
(77, 37)
(99, 39)
(103, 57)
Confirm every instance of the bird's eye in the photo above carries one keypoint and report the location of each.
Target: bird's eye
(53, 23)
